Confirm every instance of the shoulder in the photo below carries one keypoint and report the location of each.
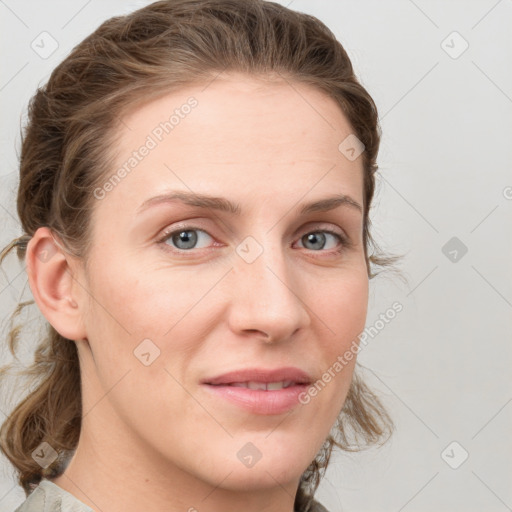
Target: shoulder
(49, 497)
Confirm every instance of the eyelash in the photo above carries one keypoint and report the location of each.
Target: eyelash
(344, 242)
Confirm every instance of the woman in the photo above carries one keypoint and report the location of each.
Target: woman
(195, 186)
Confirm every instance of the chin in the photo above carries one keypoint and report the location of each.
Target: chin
(260, 463)
(263, 476)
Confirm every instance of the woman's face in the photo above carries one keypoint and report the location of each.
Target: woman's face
(191, 303)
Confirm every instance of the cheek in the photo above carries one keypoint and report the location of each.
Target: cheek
(128, 298)
(117, 316)
(343, 309)
(130, 313)
(343, 305)
(171, 307)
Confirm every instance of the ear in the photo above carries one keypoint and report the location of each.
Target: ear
(54, 285)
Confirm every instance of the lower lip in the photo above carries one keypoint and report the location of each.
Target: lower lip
(260, 401)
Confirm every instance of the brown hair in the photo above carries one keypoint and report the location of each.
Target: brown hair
(64, 157)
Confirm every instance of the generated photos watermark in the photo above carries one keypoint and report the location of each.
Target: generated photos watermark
(342, 360)
(153, 139)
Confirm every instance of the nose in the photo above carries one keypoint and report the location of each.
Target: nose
(269, 299)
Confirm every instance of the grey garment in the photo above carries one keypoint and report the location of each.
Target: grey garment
(49, 497)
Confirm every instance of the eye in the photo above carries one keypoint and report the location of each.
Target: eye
(189, 237)
(185, 239)
(317, 240)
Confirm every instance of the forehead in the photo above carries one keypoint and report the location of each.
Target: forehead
(236, 133)
(243, 106)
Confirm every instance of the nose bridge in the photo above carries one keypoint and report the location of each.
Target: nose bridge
(266, 293)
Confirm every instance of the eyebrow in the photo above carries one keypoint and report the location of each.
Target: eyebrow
(224, 205)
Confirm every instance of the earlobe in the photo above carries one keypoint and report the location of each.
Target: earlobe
(51, 281)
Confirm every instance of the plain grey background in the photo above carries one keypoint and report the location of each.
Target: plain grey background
(440, 74)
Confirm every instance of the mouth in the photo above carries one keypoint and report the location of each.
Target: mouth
(259, 391)
(259, 376)
(263, 386)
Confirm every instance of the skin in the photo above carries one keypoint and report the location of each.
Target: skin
(152, 438)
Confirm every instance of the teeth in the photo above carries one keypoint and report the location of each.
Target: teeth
(275, 385)
(270, 386)
(256, 385)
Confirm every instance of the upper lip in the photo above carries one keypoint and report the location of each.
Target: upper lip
(295, 375)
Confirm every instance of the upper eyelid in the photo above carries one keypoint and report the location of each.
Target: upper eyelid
(311, 225)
